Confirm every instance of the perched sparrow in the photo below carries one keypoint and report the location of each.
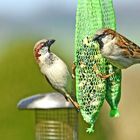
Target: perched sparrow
(120, 51)
(54, 69)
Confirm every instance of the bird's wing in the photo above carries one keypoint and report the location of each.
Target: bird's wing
(130, 49)
(70, 86)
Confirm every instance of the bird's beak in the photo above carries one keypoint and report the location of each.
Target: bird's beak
(95, 38)
(50, 42)
(98, 37)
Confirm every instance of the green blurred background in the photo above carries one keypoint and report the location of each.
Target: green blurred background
(22, 24)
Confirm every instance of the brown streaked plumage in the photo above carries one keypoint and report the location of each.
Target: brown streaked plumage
(119, 50)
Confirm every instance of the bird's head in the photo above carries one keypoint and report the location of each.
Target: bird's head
(103, 36)
(42, 47)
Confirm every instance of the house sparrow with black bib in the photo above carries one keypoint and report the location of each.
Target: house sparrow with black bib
(54, 69)
(120, 51)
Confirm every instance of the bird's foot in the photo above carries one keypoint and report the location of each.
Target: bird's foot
(105, 76)
(75, 104)
(100, 74)
(73, 70)
(73, 76)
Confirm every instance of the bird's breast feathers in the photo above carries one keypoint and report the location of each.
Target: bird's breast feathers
(57, 73)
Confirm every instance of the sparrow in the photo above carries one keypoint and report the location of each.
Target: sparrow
(54, 69)
(120, 51)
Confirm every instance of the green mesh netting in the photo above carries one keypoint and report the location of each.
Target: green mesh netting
(91, 90)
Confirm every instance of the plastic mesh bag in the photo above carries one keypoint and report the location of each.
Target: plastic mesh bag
(91, 90)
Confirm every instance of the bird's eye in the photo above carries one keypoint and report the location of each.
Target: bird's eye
(45, 43)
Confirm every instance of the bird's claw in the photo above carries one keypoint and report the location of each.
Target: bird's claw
(73, 76)
(105, 76)
(75, 104)
(73, 70)
(101, 75)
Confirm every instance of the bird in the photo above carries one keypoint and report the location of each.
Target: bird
(54, 69)
(116, 48)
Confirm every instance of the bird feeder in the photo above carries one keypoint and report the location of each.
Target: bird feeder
(55, 118)
(91, 88)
